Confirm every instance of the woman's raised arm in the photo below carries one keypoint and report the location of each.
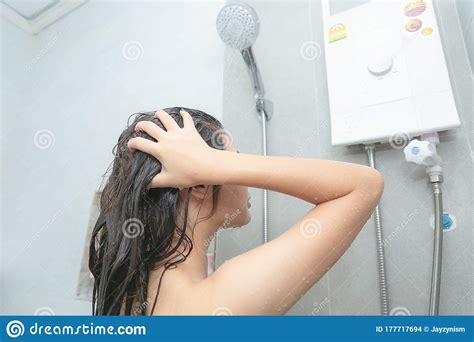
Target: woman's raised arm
(271, 278)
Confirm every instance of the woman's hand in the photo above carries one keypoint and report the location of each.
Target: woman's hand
(185, 157)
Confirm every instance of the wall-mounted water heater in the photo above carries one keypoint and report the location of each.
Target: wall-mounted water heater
(386, 71)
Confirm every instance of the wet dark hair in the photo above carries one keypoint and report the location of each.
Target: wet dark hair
(136, 230)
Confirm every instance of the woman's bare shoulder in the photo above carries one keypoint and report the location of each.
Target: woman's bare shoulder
(179, 295)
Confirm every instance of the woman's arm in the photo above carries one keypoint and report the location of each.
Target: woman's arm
(313, 180)
(271, 278)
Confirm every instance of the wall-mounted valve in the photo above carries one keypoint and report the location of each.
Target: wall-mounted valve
(422, 152)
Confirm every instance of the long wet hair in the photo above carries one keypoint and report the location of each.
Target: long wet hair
(136, 231)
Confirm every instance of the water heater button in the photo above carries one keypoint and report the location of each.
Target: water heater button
(380, 64)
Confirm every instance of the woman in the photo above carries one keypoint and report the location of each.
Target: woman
(173, 185)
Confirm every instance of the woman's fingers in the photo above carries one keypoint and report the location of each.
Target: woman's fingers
(159, 181)
(187, 119)
(167, 121)
(168, 151)
(151, 128)
(144, 145)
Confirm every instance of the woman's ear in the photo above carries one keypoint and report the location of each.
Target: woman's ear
(201, 191)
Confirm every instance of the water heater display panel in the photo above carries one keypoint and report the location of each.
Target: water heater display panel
(386, 72)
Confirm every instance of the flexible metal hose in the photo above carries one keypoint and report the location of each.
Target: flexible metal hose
(379, 237)
(265, 192)
(437, 248)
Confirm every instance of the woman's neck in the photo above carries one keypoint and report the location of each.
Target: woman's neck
(201, 232)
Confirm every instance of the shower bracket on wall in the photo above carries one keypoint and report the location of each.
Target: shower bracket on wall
(264, 106)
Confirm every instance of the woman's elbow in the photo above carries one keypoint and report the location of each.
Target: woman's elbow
(372, 185)
(376, 184)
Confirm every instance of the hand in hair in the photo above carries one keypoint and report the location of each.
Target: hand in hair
(184, 155)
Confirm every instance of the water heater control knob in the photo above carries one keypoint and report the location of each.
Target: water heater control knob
(380, 64)
(422, 152)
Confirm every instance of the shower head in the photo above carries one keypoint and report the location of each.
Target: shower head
(237, 25)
